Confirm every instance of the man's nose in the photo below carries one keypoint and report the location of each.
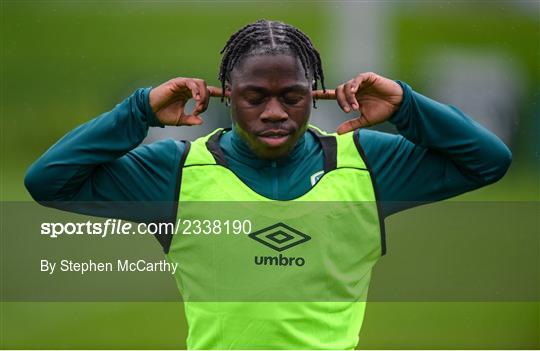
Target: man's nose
(274, 112)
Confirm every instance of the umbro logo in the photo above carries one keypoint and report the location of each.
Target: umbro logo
(279, 237)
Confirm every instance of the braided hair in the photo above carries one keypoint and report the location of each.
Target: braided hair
(270, 37)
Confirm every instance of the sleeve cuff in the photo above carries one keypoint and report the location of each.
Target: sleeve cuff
(151, 118)
(401, 114)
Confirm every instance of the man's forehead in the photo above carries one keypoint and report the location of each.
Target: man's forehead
(263, 68)
(264, 86)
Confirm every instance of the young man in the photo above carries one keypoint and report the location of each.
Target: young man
(268, 74)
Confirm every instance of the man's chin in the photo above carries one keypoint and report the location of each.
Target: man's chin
(267, 152)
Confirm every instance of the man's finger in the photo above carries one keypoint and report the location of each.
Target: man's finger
(351, 96)
(363, 80)
(328, 94)
(353, 124)
(216, 92)
(202, 104)
(195, 94)
(190, 120)
(206, 100)
(342, 100)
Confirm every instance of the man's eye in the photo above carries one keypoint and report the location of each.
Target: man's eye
(254, 100)
(292, 100)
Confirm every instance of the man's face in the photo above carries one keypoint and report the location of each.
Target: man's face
(270, 103)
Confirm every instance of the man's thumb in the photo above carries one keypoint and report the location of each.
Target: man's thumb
(353, 124)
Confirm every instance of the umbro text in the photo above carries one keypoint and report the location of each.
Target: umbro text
(279, 260)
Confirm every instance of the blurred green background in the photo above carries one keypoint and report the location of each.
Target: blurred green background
(64, 63)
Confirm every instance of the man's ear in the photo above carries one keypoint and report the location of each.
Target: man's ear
(228, 89)
(227, 93)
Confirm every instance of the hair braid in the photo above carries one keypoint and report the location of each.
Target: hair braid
(265, 37)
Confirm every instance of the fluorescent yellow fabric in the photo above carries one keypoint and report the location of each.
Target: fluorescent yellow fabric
(299, 280)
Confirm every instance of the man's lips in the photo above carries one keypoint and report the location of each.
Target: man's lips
(274, 137)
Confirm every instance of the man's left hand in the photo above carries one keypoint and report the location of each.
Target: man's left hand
(376, 98)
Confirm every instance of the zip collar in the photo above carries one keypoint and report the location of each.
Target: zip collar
(243, 152)
(237, 148)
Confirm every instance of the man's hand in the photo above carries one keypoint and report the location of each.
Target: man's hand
(375, 97)
(168, 101)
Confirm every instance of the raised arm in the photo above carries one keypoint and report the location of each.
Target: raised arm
(440, 152)
(101, 162)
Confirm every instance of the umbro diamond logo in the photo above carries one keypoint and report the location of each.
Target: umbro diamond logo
(279, 237)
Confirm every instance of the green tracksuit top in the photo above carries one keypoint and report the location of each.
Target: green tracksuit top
(299, 280)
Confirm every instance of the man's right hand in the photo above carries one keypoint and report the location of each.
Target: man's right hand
(168, 101)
